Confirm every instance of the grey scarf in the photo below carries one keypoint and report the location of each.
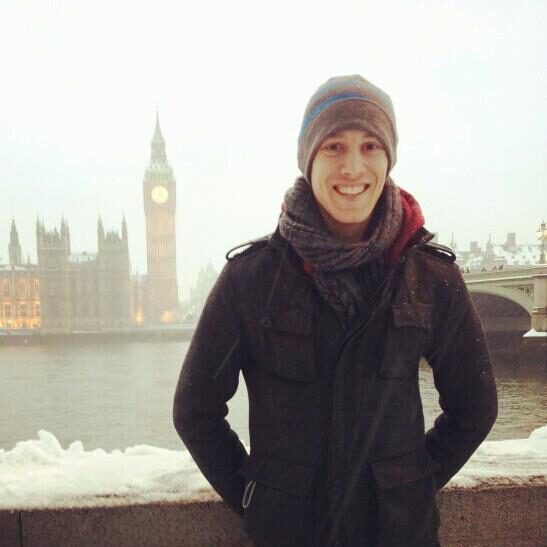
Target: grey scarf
(344, 273)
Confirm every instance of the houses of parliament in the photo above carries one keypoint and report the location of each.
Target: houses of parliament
(67, 292)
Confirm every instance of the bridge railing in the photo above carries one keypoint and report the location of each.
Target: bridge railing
(507, 274)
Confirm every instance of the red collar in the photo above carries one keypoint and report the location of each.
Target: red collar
(413, 220)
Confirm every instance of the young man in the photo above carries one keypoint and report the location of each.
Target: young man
(328, 320)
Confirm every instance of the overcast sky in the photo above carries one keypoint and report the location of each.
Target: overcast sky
(81, 81)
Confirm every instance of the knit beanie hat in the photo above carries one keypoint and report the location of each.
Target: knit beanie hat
(346, 102)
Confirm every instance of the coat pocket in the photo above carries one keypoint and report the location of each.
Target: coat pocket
(291, 339)
(407, 510)
(278, 501)
(405, 341)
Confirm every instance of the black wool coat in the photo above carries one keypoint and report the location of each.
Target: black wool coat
(339, 455)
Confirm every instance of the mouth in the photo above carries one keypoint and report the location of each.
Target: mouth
(351, 190)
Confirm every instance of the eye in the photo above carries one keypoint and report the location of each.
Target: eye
(332, 147)
(372, 145)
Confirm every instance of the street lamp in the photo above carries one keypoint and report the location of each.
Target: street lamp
(541, 233)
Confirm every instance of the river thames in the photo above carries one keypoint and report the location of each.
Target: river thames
(120, 394)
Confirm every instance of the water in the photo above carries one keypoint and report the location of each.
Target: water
(118, 395)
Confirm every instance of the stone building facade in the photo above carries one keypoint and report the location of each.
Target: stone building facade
(83, 291)
(19, 289)
(68, 292)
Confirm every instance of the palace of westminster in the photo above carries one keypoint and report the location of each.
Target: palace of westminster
(69, 292)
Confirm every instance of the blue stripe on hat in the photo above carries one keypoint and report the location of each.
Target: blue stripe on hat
(325, 104)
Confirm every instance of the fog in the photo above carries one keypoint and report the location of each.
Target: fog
(81, 82)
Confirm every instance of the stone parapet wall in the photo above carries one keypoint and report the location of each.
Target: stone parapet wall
(485, 516)
(494, 516)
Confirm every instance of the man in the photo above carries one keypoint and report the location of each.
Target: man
(328, 319)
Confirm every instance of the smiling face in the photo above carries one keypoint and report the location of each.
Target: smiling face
(347, 178)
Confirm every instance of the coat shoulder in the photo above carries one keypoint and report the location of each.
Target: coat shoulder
(251, 269)
(439, 252)
(437, 264)
(250, 262)
(248, 248)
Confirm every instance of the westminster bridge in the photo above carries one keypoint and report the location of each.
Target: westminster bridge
(512, 304)
(525, 288)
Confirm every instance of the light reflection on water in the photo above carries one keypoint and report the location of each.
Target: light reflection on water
(118, 395)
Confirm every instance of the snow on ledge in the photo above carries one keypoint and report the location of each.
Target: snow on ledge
(39, 473)
(513, 461)
(533, 333)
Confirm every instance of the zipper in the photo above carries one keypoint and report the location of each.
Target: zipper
(337, 395)
(248, 494)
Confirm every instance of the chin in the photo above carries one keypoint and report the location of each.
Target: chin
(352, 219)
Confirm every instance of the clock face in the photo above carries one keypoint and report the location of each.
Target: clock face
(159, 194)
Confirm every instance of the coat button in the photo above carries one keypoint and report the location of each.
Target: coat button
(265, 322)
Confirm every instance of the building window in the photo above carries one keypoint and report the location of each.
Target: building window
(36, 287)
(22, 289)
(7, 311)
(23, 309)
(37, 310)
(6, 290)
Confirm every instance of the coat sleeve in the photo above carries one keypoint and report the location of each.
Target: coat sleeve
(208, 379)
(464, 378)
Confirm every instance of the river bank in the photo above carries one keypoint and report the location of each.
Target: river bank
(35, 337)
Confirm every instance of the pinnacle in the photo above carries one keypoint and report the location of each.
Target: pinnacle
(157, 132)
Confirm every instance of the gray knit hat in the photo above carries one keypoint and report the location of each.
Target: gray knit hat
(346, 102)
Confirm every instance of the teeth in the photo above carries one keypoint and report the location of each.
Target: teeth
(351, 189)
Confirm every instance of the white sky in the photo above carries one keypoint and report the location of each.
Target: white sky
(81, 81)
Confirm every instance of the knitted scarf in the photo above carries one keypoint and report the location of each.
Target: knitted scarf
(344, 273)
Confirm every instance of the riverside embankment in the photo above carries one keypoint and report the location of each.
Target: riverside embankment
(489, 515)
(52, 496)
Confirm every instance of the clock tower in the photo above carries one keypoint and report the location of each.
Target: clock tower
(160, 201)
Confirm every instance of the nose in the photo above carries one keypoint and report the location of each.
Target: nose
(353, 163)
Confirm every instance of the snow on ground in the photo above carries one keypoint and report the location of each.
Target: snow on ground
(39, 473)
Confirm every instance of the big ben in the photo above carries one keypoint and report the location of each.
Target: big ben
(160, 200)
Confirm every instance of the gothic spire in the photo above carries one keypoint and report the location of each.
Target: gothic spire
(157, 131)
(158, 143)
(38, 230)
(14, 248)
(65, 233)
(100, 229)
(14, 236)
(124, 229)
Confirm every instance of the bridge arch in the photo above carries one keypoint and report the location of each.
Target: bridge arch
(513, 295)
